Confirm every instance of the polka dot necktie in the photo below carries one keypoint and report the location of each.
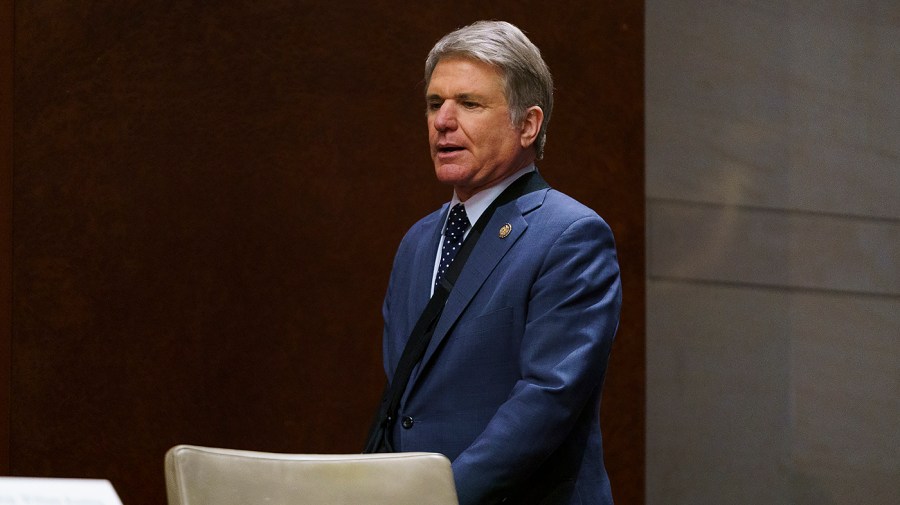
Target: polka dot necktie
(457, 223)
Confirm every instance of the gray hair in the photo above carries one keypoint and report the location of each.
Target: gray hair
(526, 78)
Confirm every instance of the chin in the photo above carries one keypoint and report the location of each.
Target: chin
(451, 174)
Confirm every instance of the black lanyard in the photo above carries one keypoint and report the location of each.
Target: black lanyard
(379, 435)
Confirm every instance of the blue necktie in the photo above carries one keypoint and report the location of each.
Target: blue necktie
(457, 224)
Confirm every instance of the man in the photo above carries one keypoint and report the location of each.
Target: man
(508, 386)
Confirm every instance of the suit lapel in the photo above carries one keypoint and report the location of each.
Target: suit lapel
(488, 252)
(423, 268)
(420, 261)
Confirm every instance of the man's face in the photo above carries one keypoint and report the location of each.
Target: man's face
(473, 143)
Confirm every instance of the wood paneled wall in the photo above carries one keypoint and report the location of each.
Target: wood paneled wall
(206, 201)
(6, 160)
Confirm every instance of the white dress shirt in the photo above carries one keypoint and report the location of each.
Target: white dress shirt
(475, 207)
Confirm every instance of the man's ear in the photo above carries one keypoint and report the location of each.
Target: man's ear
(531, 126)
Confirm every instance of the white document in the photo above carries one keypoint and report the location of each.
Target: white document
(36, 491)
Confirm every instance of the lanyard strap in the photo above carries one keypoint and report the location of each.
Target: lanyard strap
(379, 435)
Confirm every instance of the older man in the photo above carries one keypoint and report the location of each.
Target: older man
(496, 356)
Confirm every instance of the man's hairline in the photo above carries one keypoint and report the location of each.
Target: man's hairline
(504, 78)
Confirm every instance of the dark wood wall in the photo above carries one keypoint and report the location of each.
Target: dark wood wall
(201, 202)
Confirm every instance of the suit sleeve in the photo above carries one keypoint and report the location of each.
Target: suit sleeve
(572, 316)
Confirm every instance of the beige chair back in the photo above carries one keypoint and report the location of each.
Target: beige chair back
(208, 476)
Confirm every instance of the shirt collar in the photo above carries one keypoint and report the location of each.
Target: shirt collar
(479, 202)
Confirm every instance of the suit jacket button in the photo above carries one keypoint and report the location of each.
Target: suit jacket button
(407, 422)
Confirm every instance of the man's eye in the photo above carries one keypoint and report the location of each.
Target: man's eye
(470, 105)
(434, 105)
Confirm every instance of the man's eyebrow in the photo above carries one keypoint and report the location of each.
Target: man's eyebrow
(458, 96)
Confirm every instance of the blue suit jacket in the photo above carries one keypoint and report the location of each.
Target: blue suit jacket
(509, 387)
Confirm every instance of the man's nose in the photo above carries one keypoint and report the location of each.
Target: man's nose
(445, 117)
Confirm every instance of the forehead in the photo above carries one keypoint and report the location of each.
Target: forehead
(459, 75)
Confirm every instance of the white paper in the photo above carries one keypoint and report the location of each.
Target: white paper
(37, 491)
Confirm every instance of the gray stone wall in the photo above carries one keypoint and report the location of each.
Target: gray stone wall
(773, 218)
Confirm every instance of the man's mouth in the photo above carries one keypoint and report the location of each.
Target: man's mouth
(449, 149)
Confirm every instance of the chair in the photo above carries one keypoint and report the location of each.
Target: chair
(208, 476)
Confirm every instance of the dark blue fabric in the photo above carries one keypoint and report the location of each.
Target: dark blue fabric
(509, 387)
(454, 232)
